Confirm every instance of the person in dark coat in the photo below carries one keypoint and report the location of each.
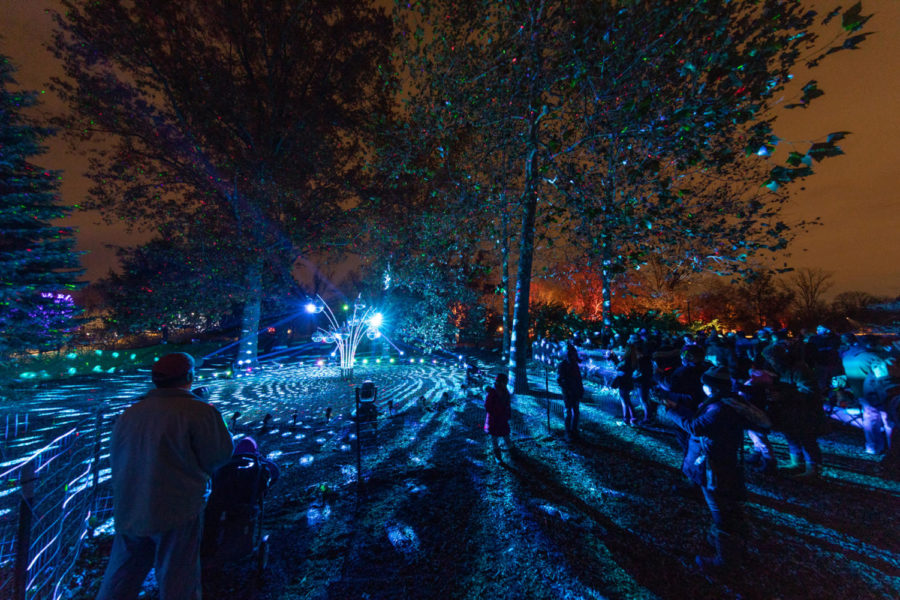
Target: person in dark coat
(757, 390)
(711, 462)
(234, 505)
(684, 388)
(625, 380)
(572, 385)
(797, 407)
(499, 410)
(645, 382)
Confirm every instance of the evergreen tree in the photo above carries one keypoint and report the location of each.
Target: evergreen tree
(36, 257)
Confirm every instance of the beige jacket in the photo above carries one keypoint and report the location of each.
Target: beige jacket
(164, 450)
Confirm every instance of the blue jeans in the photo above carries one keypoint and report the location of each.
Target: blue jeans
(728, 523)
(573, 413)
(878, 425)
(175, 554)
(627, 408)
(802, 443)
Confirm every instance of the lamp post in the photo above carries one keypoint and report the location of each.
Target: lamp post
(364, 321)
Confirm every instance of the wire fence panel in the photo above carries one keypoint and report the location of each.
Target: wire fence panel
(45, 508)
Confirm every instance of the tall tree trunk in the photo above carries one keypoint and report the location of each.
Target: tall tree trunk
(504, 284)
(249, 347)
(606, 251)
(519, 343)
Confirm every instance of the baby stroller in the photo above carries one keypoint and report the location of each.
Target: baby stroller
(232, 528)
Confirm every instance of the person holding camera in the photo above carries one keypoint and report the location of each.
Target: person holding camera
(164, 450)
(711, 462)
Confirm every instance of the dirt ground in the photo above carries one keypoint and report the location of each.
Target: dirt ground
(436, 516)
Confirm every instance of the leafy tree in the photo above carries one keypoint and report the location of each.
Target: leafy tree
(39, 265)
(554, 320)
(164, 285)
(499, 79)
(632, 119)
(249, 117)
(427, 228)
(673, 119)
(748, 303)
(766, 303)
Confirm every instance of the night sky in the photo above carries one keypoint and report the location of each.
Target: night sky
(855, 195)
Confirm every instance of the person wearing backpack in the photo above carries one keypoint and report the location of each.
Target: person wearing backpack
(711, 462)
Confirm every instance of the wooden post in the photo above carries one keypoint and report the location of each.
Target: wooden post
(358, 445)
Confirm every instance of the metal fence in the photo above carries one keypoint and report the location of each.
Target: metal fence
(50, 500)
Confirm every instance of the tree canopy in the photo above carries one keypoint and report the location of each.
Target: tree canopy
(249, 117)
(640, 126)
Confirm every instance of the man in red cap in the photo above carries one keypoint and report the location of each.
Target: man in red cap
(164, 450)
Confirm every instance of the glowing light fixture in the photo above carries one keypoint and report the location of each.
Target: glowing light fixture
(347, 335)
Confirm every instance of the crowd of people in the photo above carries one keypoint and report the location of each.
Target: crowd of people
(170, 445)
(790, 377)
(712, 388)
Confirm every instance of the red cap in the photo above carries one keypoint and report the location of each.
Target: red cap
(172, 366)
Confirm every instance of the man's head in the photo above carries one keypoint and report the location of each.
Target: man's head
(175, 370)
(716, 381)
(693, 354)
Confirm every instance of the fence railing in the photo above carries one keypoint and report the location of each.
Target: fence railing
(52, 497)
